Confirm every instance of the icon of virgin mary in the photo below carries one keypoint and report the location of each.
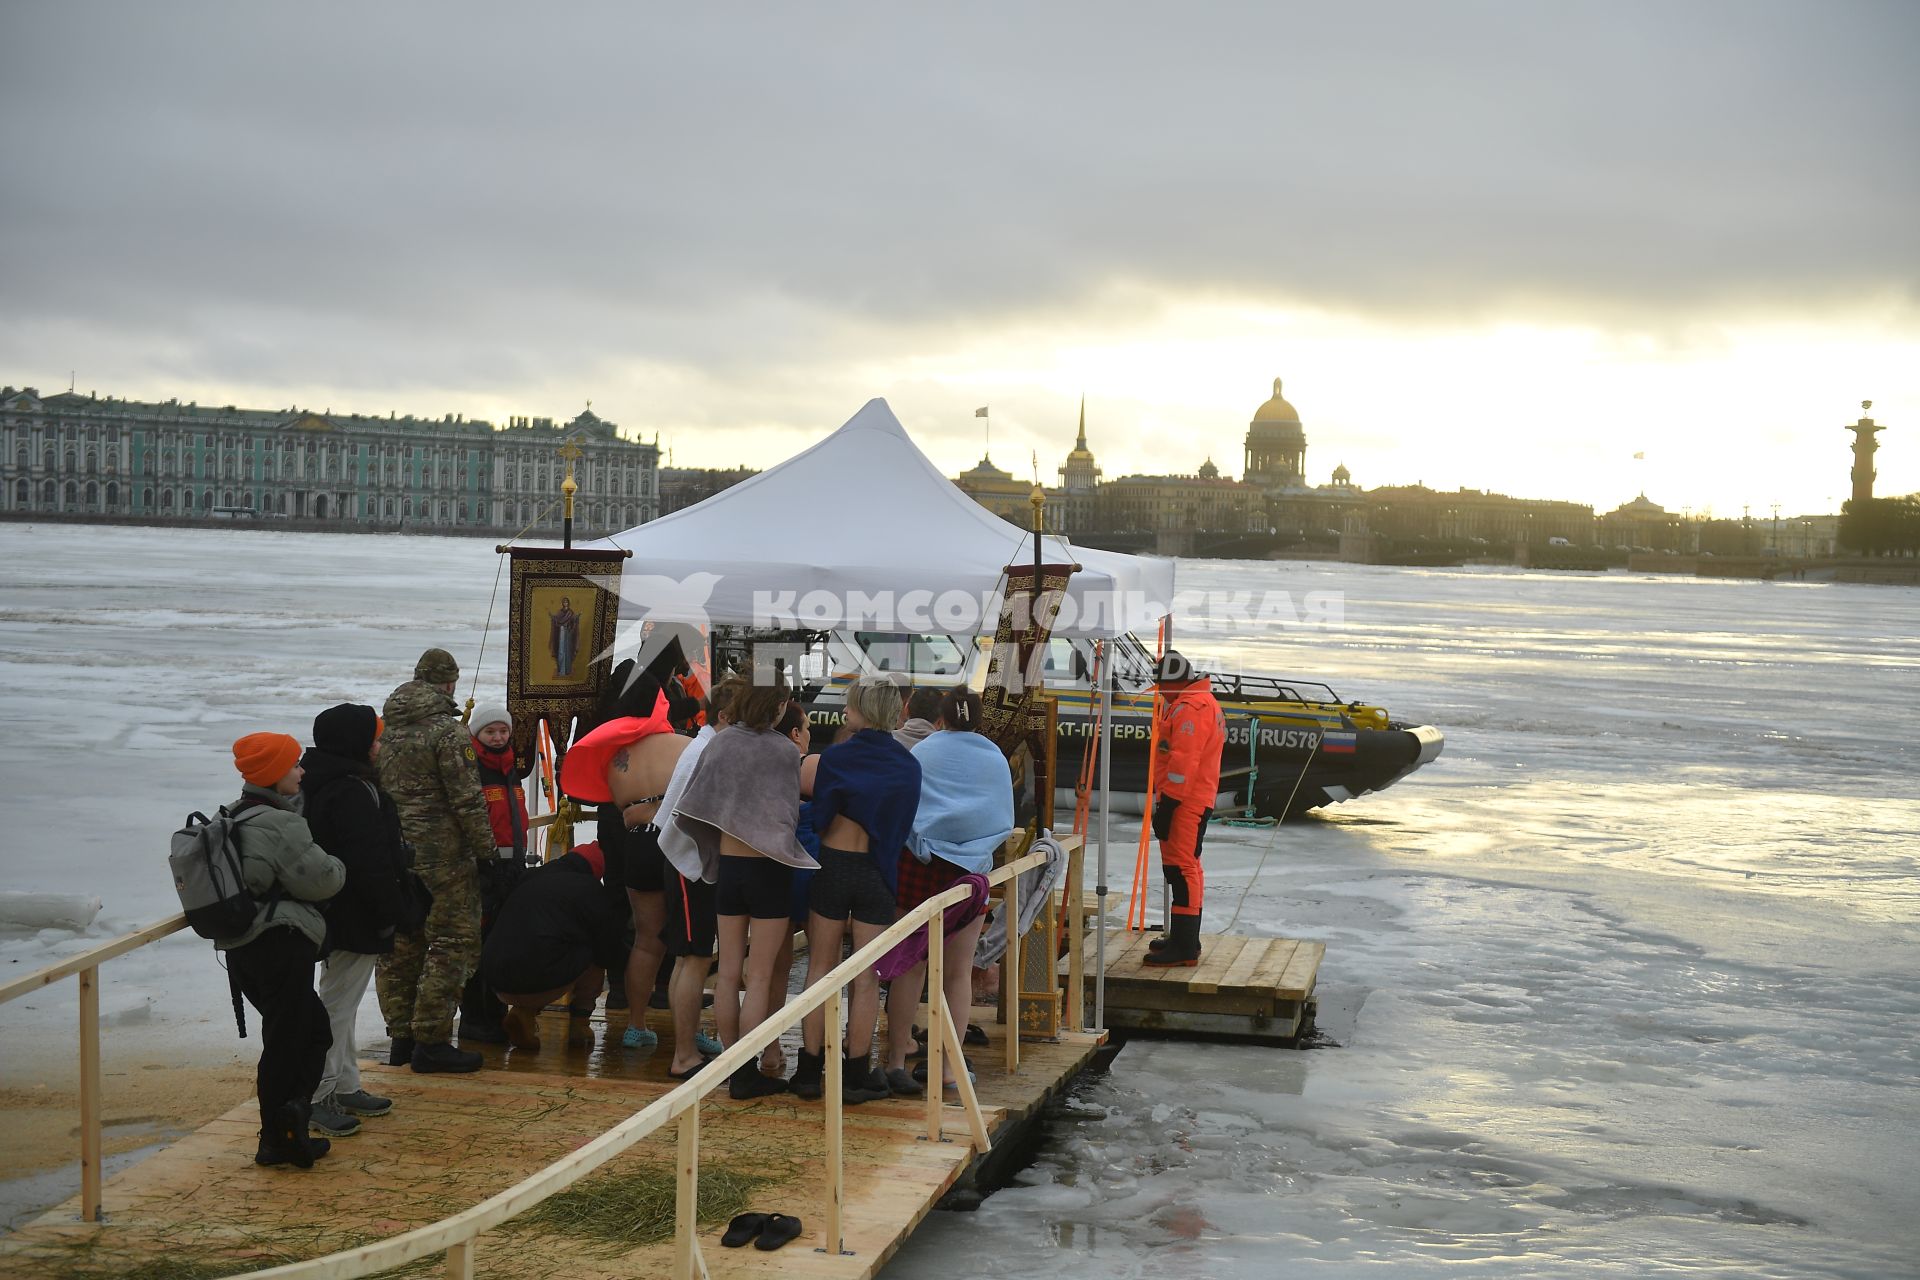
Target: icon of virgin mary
(563, 638)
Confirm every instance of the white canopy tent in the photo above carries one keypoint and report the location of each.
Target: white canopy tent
(899, 526)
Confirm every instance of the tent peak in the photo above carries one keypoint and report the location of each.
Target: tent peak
(876, 415)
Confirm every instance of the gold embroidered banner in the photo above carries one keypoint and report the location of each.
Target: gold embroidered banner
(565, 608)
(1019, 654)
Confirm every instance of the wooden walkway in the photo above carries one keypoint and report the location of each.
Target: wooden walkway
(202, 1208)
(1245, 988)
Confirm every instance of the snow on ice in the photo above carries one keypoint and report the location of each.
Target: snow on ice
(1625, 984)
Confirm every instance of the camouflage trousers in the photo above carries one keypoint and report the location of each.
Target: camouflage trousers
(420, 982)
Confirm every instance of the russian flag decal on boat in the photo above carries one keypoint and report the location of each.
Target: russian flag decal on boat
(1339, 741)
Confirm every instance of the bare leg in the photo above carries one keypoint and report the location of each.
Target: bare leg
(986, 983)
(732, 931)
(587, 986)
(643, 962)
(774, 1060)
(903, 998)
(686, 993)
(763, 954)
(863, 1009)
(956, 957)
(823, 953)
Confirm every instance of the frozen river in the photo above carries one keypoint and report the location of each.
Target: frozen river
(1625, 983)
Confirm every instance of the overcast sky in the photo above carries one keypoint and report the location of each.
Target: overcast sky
(1497, 245)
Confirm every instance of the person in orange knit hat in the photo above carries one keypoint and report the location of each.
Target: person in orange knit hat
(271, 964)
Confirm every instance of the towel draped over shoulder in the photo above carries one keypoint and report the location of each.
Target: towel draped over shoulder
(874, 781)
(966, 800)
(745, 784)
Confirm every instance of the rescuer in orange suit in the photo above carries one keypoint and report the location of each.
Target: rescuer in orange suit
(1186, 779)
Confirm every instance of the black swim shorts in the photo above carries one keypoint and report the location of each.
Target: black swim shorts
(756, 887)
(849, 884)
(689, 927)
(643, 865)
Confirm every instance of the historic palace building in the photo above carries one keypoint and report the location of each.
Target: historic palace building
(1274, 498)
(80, 455)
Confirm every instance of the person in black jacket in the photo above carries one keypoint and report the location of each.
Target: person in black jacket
(556, 937)
(352, 819)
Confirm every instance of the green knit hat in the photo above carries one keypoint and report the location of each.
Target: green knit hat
(436, 666)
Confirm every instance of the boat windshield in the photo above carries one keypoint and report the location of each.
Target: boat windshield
(944, 659)
(924, 658)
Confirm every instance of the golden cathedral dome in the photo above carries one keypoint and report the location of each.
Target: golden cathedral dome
(1276, 409)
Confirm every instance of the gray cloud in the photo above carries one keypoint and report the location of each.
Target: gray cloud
(404, 196)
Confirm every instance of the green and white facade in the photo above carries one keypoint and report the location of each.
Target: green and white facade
(81, 455)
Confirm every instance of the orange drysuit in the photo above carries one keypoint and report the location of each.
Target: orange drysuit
(1186, 780)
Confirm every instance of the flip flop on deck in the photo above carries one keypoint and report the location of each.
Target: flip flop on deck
(780, 1229)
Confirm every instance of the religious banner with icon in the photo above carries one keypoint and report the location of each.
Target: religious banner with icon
(1019, 650)
(564, 609)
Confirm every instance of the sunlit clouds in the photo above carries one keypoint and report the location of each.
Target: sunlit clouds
(1498, 246)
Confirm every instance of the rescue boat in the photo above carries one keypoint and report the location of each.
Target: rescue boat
(1292, 745)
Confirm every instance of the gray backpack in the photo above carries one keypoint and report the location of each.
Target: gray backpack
(207, 875)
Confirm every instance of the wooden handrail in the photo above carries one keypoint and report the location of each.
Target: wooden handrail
(456, 1235)
(87, 966)
(91, 959)
(439, 1237)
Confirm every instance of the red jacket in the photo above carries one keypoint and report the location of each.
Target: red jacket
(506, 802)
(1186, 760)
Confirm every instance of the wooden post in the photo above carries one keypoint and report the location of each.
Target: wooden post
(687, 1262)
(460, 1259)
(969, 1101)
(1010, 973)
(936, 1020)
(1050, 716)
(1075, 916)
(831, 1048)
(90, 1173)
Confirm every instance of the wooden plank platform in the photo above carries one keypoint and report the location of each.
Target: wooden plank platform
(1257, 989)
(453, 1140)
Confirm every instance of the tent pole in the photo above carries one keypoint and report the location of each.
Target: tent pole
(1100, 879)
(1166, 886)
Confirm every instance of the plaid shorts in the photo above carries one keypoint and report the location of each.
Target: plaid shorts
(921, 880)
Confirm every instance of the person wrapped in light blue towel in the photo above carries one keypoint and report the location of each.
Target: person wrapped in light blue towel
(966, 800)
(965, 815)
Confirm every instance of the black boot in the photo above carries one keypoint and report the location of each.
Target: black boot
(809, 1076)
(284, 1140)
(443, 1057)
(401, 1054)
(750, 1082)
(1183, 944)
(857, 1083)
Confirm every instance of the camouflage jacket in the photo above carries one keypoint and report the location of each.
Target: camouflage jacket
(427, 764)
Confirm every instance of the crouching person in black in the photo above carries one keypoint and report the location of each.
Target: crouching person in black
(271, 964)
(554, 939)
(355, 821)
